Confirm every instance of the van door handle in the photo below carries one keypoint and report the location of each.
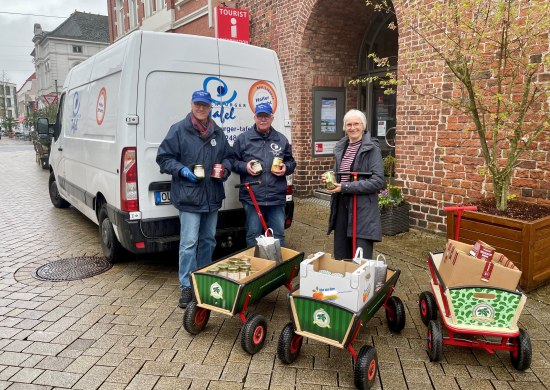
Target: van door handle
(60, 149)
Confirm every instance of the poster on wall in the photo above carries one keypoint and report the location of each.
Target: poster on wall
(328, 115)
(323, 148)
(381, 131)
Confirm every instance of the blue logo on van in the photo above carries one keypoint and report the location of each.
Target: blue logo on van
(221, 106)
(76, 116)
(221, 90)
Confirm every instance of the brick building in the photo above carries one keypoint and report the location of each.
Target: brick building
(322, 44)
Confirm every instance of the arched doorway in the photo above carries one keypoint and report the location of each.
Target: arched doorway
(379, 106)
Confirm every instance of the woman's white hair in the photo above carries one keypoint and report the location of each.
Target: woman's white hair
(353, 113)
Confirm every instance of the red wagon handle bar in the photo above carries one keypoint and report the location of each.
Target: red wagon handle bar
(459, 210)
(255, 202)
(354, 230)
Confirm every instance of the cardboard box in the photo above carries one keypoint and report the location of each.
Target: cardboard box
(352, 290)
(459, 268)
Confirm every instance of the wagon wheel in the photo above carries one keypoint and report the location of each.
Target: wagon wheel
(395, 314)
(366, 367)
(195, 318)
(521, 356)
(427, 306)
(435, 341)
(289, 345)
(253, 333)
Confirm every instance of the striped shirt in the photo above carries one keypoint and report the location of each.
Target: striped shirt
(347, 160)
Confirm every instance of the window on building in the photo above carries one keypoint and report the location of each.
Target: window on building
(379, 107)
(77, 49)
(8, 102)
(7, 89)
(120, 17)
(148, 7)
(133, 14)
(159, 4)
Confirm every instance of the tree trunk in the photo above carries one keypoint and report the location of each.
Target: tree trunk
(501, 187)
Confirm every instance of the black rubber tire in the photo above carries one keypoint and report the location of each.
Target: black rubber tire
(112, 249)
(366, 368)
(195, 318)
(435, 341)
(57, 201)
(289, 344)
(395, 314)
(253, 333)
(427, 307)
(522, 360)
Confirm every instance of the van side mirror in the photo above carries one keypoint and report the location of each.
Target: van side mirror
(42, 126)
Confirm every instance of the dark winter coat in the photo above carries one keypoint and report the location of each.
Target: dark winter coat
(252, 145)
(368, 159)
(183, 147)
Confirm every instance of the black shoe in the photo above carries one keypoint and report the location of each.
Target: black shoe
(186, 297)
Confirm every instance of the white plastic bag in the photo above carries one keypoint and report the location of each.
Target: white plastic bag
(268, 247)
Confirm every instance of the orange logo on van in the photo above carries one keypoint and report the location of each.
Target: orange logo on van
(101, 106)
(262, 92)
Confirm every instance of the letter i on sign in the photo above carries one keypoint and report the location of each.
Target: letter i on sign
(233, 28)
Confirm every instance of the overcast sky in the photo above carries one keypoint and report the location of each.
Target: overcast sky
(16, 31)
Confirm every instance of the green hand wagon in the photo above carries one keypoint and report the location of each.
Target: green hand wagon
(213, 292)
(339, 326)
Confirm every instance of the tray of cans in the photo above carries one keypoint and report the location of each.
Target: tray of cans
(229, 286)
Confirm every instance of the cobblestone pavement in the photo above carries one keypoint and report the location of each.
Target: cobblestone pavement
(122, 329)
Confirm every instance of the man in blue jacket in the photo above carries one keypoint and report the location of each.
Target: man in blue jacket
(197, 139)
(262, 143)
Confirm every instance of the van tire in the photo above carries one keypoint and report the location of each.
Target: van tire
(112, 250)
(57, 200)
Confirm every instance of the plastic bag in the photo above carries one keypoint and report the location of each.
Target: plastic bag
(268, 247)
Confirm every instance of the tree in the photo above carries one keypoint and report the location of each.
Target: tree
(494, 53)
(9, 123)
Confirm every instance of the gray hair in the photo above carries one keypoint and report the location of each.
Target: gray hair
(356, 114)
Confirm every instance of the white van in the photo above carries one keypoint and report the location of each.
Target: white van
(116, 108)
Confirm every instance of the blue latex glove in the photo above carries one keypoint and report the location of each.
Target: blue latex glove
(186, 173)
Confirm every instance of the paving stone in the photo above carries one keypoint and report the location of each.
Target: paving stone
(26, 375)
(328, 378)
(82, 364)
(161, 368)
(41, 348)
(171, 383)
(55, 363)
(93, 378)
(125, 371)
(13, 358)
(143, 382)
(197, 371)
(57, 378)
(27, 386)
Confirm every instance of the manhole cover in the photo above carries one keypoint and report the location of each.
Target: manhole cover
(74, 268)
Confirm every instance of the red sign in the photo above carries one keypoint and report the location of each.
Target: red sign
(232, 24)
(50, 98)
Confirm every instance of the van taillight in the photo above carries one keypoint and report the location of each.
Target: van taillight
(128, 180)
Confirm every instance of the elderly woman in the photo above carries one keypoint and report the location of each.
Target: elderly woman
(356, 152)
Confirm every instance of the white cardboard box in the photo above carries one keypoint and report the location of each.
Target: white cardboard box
(351, 291)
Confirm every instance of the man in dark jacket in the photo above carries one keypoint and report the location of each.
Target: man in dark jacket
(195, 140)
(263, 143)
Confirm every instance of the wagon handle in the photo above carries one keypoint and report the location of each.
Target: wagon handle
(248, 185)
(459, 210)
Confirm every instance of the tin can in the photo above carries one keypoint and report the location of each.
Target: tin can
(217, 171)
(256, 166)
(213, 270)
(198, 170)
(276, 165)
(233, 261)
(330, 179)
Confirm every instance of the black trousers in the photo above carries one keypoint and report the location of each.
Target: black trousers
(343, 244)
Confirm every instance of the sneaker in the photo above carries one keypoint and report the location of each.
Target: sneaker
(186, 296)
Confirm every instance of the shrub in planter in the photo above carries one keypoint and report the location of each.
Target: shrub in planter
(394, 211)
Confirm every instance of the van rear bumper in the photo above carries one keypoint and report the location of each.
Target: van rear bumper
(162, 234)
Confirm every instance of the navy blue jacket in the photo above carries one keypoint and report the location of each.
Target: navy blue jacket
(183, 147)
(252, 145)
(367, 159)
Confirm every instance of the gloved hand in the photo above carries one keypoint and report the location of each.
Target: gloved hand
(186, 173)
(226, 173)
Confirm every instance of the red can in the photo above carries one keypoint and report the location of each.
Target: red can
(217, 171)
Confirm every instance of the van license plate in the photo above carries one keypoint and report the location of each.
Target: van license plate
(162, 197)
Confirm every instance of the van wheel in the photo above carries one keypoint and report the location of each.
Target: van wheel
(57, 200)
(112, 250)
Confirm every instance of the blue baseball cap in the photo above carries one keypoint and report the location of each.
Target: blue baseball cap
(202, 97)
(264, 108)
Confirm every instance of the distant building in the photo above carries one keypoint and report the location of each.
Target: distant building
(8, 100)
(26, 98)
(79, 37)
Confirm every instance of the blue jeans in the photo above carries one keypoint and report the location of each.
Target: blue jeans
(197, 242)
(274, 217)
